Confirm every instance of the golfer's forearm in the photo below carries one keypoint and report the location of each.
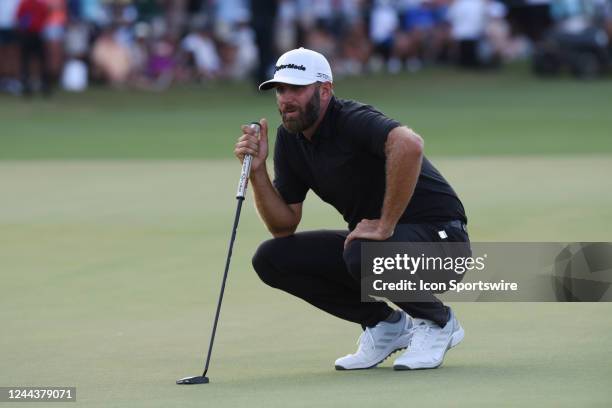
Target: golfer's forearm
(404, 154)
(280, 219)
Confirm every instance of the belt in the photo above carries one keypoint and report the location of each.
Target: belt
(457, 224)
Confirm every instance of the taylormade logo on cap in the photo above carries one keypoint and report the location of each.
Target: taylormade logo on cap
(292, 66)
(299, 67)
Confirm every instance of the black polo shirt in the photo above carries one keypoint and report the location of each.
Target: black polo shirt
(344, 165)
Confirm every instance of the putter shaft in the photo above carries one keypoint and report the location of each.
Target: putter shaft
(242, 186)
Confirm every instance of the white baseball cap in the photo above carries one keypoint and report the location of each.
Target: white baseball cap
(299, 67)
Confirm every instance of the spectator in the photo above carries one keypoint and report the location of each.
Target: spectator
(321, 40)
(263, 21)
(162, 62)
(76, 40)
(384, 21)
(200, 46)
(139, 55)
(245, 51)
(356, 49)
(53, 34)
(8, 44)
(424, 33)
(498, 34)
(75, 72)
(110, 59)
(286, 26)
(146, 43)
(467, 19)
(32, 17)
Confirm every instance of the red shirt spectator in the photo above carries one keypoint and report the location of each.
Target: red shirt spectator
(32, 16)
(57, 12)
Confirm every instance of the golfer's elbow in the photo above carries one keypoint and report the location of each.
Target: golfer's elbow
(405, 140)
(286, 222)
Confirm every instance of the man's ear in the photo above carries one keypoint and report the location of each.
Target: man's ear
(326, 89)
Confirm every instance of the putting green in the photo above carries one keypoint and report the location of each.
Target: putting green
(111, 269)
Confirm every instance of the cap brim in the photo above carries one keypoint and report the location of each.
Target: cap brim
(272, 83)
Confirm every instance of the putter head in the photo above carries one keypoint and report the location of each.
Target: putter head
(198, 379)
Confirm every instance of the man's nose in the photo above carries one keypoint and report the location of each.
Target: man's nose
(286, 97)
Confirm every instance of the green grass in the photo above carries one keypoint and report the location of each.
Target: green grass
(458, 114)
(110, 268)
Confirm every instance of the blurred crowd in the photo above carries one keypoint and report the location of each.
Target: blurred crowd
(152, 44)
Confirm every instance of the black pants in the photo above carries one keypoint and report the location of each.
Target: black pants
(33, 47)
(315, 267)
(264, 38)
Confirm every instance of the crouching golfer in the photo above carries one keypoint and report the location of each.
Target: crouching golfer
(372, 170)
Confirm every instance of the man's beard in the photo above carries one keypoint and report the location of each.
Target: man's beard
(306, 117)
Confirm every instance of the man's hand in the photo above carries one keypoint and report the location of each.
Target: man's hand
(248, 143)
(369, 229)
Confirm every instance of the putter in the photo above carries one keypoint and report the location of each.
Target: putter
(242, 186)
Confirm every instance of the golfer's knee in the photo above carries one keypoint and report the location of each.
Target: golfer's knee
(352, 259)
(264, 261)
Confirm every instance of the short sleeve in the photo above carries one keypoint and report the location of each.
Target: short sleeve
(368, 128)
(286, 181)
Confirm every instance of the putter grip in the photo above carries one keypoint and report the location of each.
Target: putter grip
(246, 167)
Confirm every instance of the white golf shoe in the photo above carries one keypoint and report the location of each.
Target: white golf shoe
(377, 343)
(429, 343)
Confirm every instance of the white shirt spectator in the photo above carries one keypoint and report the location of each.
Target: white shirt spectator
(383, 21)
(246, 55)
(467, 19)
(285, 26)
(204, 53)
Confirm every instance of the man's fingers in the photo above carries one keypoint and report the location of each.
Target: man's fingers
(249, 144)
(253, 142)
(247, 129)
(363, 233)
(239, 155)
(353, 235)
(246, 150)
(251, 138)
(264, 129)
(348, 239)
(365, 222)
